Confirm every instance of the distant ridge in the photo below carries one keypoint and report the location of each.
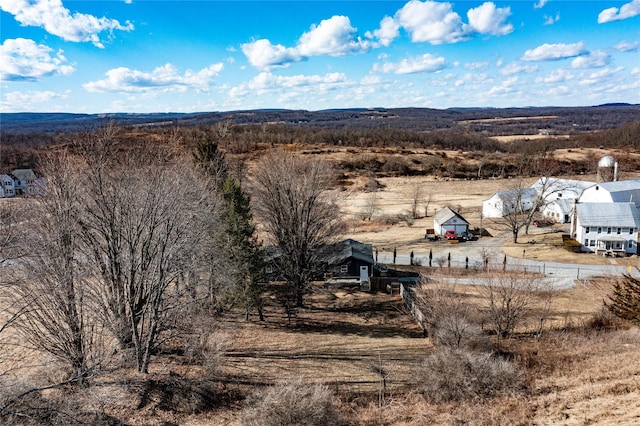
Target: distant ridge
(410, 118)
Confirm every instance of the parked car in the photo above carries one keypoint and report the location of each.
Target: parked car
(466, 236)
(542, 223)
(450, 234)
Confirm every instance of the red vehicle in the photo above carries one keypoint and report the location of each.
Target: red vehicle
(450, 234)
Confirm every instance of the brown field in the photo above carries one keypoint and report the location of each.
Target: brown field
(578, 374)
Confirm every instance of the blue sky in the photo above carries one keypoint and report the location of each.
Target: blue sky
(142, 56)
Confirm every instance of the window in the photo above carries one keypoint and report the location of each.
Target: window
(599, 230)
(586, 229)
(619, 229)
(268, 269)
(630, 230)
(609, 230)
(592, 243)
(630, 243)
(586, 242)
(344, 269)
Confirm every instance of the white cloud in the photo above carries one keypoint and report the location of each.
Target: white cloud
(550, 20)
(26, 101)
(554, 52)
(58, 20)
(540, 4)
(432, 22)
(517, 67)
(289, 87)
(600, 77)
(476, 65)
(262, 54)
(332, 37)
(24, 60)
(389, 30)
(424, 63)
(165, 78)
(556, 76)
(595, 59)
(508, 86)
(487, 19)
(611, 14)
(627, 46)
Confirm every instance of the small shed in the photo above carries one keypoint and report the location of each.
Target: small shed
(448, 220)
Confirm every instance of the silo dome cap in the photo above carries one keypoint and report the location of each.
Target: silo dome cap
(607, 161)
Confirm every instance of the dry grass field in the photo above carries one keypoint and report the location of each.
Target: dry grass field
(582, 370)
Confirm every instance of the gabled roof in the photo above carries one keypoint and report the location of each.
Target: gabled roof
(24, 174)
(552, 185)
(621, 191)
(565, 204)
(349, 248)
(608, 214)
(511, 194)
(446, 214)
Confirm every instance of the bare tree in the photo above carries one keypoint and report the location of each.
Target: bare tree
(56, 318)
(148, 221)
(508, 300)
(416, 199)
(371, 204)
(516, 210)
(298, 212)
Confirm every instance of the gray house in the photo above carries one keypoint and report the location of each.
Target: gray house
(350, 259)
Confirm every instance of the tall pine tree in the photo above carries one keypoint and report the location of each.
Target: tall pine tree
(241, 244)
(244, 248)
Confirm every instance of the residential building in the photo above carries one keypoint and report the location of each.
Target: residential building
(607, 228)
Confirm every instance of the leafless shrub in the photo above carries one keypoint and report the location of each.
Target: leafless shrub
(207, 349)
(458, 375)
(449, 319)
(292, 402)
(509, 299)
(604, 320)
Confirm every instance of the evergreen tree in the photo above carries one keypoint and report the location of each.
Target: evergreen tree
(245, 251)
(246, 255)
(625, 300)
(211, 160)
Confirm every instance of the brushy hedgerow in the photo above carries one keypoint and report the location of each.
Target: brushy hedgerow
(457, 375)
(292, 402)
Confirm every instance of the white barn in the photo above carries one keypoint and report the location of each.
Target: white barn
(622, 191)
(607, 228)
(503, 203)
(446, 219)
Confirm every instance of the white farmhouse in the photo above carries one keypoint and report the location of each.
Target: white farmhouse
(448, 220)
(607, 228)
(503, 203)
